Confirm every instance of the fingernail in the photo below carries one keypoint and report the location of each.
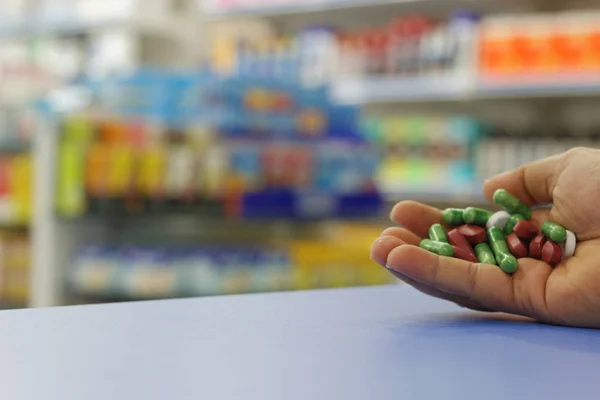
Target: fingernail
(381, 247)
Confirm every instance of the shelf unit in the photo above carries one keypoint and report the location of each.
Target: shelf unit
(53, 241)
(216, 10)
(405, 90)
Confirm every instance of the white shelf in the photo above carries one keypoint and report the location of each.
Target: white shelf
(547, 88)
(293, 7)
(215, 9)
(467, 195)
(401, 90)
(393, 89)
(55, 27)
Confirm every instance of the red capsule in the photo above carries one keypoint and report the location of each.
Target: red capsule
(474, 234)
(463, 254)
(536, 245)
(458, 240)
(526, 230)
(551, 253)
(516, 246)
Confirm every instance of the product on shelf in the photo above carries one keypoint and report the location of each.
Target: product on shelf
(256, 148)
(425, 153)
(408, 46)
(540, 47)
(148, 272)
(14, 269)
(16, 181)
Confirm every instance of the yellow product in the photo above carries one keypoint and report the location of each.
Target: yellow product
(96, 167)
(120, 169)
(21, 181)
(301, 279)
(70, 193)
(78, 130)
(151, 172)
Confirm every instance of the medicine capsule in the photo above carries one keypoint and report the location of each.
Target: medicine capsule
(437, 233)
(476, 216)
(508, 263)
(512, 221)
(439, 248)
(485, 254)
(569, 245)
(504, 258)
(511, 204)
(554, 231)
(498, 220)
(453, 216)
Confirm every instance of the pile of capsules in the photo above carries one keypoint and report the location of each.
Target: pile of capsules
(499, 238)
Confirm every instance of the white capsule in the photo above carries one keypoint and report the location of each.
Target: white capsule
(498, 220)
(569, 245)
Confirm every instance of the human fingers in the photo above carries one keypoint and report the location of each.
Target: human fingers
(522, 293)
(532, 183)
(403, 234)
(416, 217)
(381, 249)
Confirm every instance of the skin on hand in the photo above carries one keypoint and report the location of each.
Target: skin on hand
(568, 294)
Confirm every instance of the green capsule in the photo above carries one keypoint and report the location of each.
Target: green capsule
(508, 263)
(495, 234)
(500, 247)
(497, 241)
(511, 204)
(485, 254)
(453, 216)
(476, 216)
(555, 232)
(437, 233)
(512, 221)
(439, 248)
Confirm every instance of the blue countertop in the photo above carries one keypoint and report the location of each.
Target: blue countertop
(370, 343)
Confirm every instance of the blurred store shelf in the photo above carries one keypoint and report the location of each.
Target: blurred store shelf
(531, 88)
(466, 195)
(404, 90)
(69, 27)
(220, 9)
(395, 89)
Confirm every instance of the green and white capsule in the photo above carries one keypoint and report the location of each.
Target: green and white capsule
(437, 233)
(439, 248)
(511, 204)
(476, 216)
(555, 232)
(453, 216)
(512, 221)
(485, 254)
(507, 262)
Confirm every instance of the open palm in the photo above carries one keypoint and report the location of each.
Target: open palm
(568, 294)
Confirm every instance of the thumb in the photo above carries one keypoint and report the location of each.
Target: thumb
(531, 183)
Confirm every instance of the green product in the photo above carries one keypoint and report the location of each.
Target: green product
(495, 234)
(453, 216)
(437, 233)
(476, 216)
(555, 232)
(511, 204)
(439, 248)
(70, 193)
(485, 254)
(508, 263)
(512, 221)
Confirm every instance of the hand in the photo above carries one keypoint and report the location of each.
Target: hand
(568, 294)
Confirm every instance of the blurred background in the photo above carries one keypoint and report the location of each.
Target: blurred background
(176, 148)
